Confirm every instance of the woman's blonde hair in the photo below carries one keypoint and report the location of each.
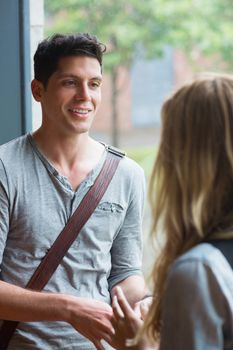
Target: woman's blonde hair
(191, 188)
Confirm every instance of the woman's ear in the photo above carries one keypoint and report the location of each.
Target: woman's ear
(37, 89)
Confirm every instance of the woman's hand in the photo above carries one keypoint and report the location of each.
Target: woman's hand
(127, 324)
(142, 307)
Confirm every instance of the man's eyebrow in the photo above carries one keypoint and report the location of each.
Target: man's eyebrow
(97, 78)
(67, 75)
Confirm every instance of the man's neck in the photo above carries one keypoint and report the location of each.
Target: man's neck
(73, 157)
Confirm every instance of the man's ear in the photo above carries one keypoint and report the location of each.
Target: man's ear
(37, 89)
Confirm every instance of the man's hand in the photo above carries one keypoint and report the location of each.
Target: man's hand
(93, 319)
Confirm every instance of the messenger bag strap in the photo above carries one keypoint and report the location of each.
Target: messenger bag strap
(54, 256)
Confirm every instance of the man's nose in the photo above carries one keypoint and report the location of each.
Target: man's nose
(82, 92)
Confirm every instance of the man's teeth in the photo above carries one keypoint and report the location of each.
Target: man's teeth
(80, 111)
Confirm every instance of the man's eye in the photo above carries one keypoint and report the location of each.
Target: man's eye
(69, 83)
(95, 84)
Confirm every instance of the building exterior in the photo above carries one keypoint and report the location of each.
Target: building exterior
(21, 27)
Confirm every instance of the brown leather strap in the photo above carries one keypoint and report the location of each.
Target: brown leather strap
(67, 236)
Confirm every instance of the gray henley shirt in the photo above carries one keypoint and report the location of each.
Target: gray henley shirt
(35, 204)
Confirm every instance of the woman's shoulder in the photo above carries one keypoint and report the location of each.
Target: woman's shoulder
(200, 252)
(203, 264)
(204, 253)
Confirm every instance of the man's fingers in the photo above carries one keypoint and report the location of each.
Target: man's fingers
(104, 326)
(107, 339)
(98, 345)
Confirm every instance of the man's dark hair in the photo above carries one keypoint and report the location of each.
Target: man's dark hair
(51, 49)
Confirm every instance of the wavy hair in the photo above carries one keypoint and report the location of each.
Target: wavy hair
(191, 187)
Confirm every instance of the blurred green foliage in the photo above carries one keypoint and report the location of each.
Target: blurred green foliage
(128, 26)
(123, 26)
(144, 156)
(141, 29)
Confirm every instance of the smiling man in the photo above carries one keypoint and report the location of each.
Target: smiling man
(43, 179)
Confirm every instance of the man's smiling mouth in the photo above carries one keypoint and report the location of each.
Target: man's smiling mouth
(79, 110)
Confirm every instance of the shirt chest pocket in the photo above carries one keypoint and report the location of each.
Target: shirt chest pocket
(106, 220)
(108, 207)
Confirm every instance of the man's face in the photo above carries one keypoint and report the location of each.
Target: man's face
(72, 96)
